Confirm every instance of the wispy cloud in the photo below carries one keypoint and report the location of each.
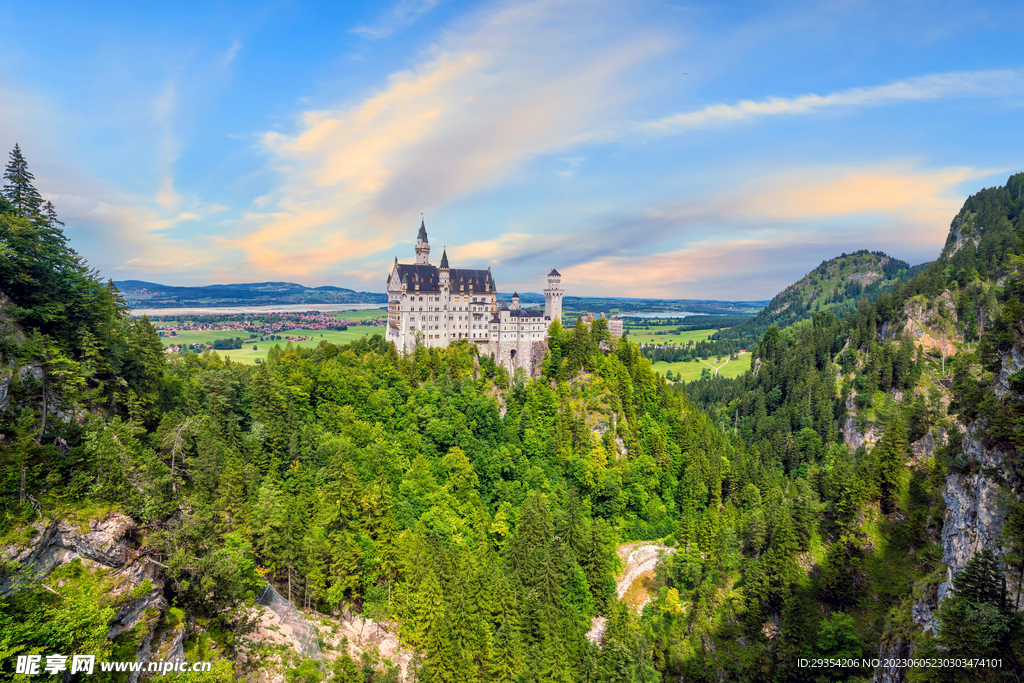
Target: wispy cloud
(401, 14)
(932, 87)
(168, 148)
(232, 52)
(492, 251)
(768, 232)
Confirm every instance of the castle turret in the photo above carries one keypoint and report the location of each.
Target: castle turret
(515, 301)
(422, 246)
(444, 272)
(553, 296)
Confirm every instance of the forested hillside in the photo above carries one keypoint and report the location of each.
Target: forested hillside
(477, 515)
(925, 383)
(835, 285)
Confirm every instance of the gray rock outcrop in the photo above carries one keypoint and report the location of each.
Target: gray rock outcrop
(104, 546)
(974, 514)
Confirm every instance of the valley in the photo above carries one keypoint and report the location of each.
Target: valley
(844, 481)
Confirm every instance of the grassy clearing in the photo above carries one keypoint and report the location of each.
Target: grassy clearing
(689, 371)
(366, 314)
(248, 356)
(650, 335)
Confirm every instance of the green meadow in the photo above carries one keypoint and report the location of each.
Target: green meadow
(651, 336)
(689, 371)
(247, 355)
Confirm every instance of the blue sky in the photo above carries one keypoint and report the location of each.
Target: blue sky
(657, 149)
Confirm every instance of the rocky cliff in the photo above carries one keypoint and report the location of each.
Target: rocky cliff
(105, 547)
(974, 506)
(974, 515)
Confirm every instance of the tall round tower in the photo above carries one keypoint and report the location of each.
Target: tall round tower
(422, 246)
(553, 296)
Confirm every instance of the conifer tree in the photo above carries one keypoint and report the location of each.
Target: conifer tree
(976, 621)
(50, 213)
(18, 188)
(892, 462)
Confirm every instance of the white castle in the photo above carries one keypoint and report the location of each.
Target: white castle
(433, 306)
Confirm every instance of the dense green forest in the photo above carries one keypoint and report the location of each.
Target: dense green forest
(479, 512)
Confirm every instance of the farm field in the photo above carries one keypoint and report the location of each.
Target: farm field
(681, 339)
(690, 371)
(248, 356)
(355, 316)
(363, 314)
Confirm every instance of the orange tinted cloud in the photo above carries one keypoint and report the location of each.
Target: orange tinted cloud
(498, 90)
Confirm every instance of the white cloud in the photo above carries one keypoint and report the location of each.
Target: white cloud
(932, 87)
(399, 15)
(232, 52)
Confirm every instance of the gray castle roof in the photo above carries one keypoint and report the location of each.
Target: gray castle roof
(519, 313)
(444, 258)
(423, 232)
(428, 278)
(554, 273)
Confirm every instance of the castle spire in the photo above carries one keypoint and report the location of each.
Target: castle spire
(422, 246)
(444, 258)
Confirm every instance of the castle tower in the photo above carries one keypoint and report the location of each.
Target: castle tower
(553, 296)
(422, 247)
(515, 301)
(444, 272)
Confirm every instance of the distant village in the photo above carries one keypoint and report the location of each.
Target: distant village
(269, 327)
(266, 325)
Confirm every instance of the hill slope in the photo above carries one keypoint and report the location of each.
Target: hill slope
(925, 386)
(836, 285)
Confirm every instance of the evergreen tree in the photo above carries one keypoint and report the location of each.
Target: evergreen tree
(976, 621)
(892, 463)
(18, 188)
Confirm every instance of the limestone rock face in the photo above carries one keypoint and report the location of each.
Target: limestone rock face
(924, 448)
(103, 545)
(852, 436)
(61, 542)
(974, 516)
(935, 327)
(1012, 364)
(922, 615)
(11, 333)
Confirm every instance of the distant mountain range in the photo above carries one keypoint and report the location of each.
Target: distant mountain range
(143, 294)
(154, 295)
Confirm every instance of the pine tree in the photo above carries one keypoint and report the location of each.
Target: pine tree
(504, 665)
(892, 463)
(429, 609)
(50, 213)
(976, 621)
(18, 188)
